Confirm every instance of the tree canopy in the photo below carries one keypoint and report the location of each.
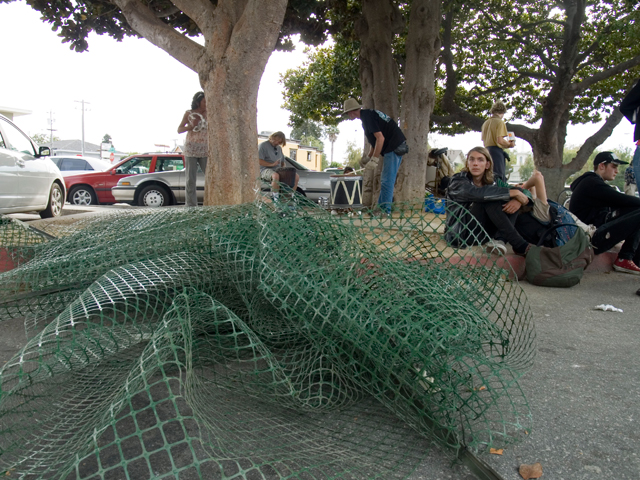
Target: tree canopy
(553, 64)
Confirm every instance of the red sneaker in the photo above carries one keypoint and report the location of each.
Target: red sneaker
(626, 266)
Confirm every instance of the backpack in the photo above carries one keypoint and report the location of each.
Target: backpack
(560, 266)
(535, 232)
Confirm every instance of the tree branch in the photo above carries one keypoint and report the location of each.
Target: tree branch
(594, 141)
(503, 28)
(580, 87)
(201, 12)
(542, 22)
(144, 21)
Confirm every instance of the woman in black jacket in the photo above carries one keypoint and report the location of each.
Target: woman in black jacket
(477, 202)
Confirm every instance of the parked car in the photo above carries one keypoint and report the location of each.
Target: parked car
(94, 188)
(168, 188)
(75, 165)
(334, 170)
(28, 180)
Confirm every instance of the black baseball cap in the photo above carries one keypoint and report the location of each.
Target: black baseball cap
(607, 157)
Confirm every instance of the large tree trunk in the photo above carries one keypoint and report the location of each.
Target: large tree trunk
(378, 73)
(239, 38)
(231, 88)
(418, 96)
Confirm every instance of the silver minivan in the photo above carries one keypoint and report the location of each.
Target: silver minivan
(29, 181)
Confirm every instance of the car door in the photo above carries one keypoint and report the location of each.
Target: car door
(8, 174)
(176, 181)
(32, 182)
(133, 166)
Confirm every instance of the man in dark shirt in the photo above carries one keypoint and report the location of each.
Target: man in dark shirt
(385, 137)
(616, 215)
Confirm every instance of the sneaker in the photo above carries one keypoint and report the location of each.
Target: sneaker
(626, 266)
(496, 247)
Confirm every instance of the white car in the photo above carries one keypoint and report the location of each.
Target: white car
(29, 181)
(70, 165)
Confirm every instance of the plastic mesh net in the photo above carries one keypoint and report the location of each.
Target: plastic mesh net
(257, 341)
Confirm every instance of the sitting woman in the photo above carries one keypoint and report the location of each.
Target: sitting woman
(488, 207)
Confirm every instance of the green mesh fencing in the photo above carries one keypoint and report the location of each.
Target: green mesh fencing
(258, 341)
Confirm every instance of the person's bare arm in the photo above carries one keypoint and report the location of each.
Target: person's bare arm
(505, 143)
(185, 126)
(377, 148)
(517, 200)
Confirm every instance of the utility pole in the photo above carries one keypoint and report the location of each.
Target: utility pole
(51, 130)
(83, 103)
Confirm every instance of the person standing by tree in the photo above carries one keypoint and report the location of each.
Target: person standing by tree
(196, 146)
(494, 131)
(387, 141)
(630, 108)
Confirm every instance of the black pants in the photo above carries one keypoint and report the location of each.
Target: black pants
(498, 224)
(626, 226)
(499, 163)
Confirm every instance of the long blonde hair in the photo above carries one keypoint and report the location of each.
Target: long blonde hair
(280, 136)
(487, 177)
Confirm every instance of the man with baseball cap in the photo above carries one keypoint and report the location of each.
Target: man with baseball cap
(387, 141)
(616, 215)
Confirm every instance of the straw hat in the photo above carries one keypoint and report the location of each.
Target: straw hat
(351, 104)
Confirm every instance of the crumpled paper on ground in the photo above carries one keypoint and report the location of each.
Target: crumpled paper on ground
(607, 308)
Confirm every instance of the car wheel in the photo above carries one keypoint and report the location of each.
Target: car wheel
(82, 196)
(56, 200)
(153, 196)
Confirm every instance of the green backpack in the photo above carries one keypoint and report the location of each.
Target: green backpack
(559, 266)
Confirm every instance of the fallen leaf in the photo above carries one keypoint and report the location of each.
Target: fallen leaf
(530, 471)
(496, 451)
(482, 388)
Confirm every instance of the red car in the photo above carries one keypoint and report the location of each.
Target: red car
(95, 188)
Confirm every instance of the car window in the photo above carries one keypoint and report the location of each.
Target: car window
(2, 141)
(295, 164)
(135, 165)
(56, 161)
(16, 139)
(166, 164)
(68, 164)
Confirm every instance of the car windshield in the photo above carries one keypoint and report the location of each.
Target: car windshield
(135, 165)
(295, 164)
(18, 141)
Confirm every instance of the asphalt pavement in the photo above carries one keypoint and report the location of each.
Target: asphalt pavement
(583, 389)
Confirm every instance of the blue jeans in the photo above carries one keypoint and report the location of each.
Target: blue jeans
(388, 179)
(636, 166)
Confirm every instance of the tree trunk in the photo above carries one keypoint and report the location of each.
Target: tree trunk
(231, 88)
(239, 38)
(378, 73)
(418, 96)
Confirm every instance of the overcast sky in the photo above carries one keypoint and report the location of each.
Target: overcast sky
(137, 93)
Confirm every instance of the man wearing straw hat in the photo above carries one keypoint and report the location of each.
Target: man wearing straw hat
(387, 141)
